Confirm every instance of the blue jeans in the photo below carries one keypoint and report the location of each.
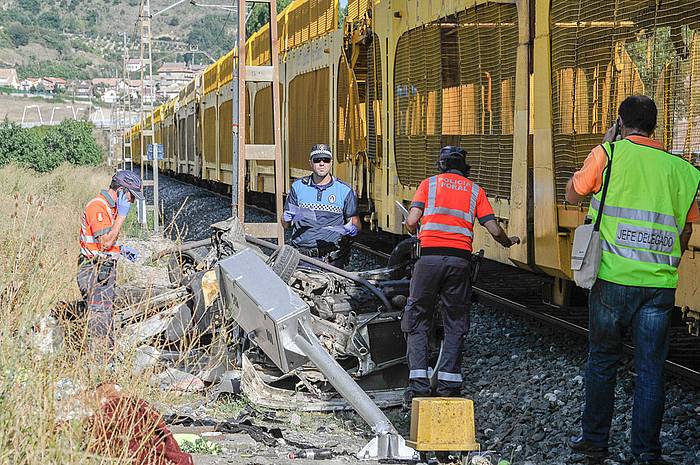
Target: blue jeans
(613, 310)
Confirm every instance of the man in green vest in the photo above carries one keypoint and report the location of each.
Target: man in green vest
(646, 225)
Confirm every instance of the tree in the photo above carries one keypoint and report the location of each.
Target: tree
(25, 147)
(73, 142)
(19, 35)
(260, 16)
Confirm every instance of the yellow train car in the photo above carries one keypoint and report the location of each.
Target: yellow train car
(158, 131)
(169, 137)
(136, 143)
(209, 121)
(528, 87)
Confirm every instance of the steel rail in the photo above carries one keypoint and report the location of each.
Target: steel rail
(688, 374)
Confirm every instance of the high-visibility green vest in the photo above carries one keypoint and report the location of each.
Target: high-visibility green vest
(648, 199)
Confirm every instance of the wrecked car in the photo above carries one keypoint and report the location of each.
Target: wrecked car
(356, 316)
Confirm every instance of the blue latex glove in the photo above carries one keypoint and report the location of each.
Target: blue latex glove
(350, 229)
(123, 204)
(130, 253)
(288, 216)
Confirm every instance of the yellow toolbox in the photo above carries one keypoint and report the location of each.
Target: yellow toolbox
(442, 424)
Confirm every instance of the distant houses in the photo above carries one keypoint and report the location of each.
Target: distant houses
(168, 80)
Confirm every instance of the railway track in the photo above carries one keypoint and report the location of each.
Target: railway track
(496, 286)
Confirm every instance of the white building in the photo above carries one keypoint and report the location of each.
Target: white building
(110, 96)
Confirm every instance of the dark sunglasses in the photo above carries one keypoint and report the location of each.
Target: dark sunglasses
(321, 159)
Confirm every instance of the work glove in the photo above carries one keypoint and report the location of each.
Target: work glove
(288, 216)
(130, 253)
(350, 229)
(123, 204)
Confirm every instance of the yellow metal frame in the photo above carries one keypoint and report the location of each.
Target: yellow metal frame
(305, 46)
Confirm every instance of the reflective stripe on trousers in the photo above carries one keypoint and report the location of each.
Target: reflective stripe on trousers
(640, 255)
(445, 376)
(420, 374)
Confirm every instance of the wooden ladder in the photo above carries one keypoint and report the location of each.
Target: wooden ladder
(243, 152)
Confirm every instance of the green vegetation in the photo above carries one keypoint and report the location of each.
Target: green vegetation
(46, 148)
(72, 68)
(260, 15)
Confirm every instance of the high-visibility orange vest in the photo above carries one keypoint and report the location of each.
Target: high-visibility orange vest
(449, 213)
(98, 219)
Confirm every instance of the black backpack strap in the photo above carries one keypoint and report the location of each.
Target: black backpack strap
(608, 168)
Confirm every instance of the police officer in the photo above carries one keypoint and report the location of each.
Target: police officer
(447, 206)
(100, 226)
(322, 211)
(648, 207)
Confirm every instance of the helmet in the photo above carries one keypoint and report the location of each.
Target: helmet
(451, 153)
(320, 149)
(129, 181)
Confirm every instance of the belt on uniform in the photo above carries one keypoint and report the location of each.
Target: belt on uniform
(83, 260)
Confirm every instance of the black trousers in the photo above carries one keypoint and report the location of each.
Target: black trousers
(447, 280)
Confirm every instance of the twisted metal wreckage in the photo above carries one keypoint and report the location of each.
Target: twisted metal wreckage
(298, 333)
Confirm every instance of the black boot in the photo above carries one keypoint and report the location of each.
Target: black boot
(582, 446)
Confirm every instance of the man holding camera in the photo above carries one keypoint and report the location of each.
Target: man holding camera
(647, 211)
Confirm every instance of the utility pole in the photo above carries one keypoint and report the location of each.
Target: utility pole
(125, 99)
(147, 87)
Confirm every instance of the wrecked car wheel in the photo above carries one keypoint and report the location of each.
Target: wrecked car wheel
(181, 265)
(402, 256)
(285, 261)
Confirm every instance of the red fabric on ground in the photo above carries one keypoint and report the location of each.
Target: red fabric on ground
(130, 429)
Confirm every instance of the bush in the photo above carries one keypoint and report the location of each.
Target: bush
(45, 148)
(19, 35)
(23, 147)
(73, 141)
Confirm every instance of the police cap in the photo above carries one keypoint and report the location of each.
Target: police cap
(320, 150)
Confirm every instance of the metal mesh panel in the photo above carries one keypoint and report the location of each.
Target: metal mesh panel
(182, 139)
(136, 145)
(211, 76)
(308, 115)
(297, 24)
(342, 110)
(262, 116)
(350, 133)
(417, 118)
(488, 39)
(603, 52)
(209, 136)
(374, 100)
(455, 84)
(357, 9)
(225, 134)
(191, 137)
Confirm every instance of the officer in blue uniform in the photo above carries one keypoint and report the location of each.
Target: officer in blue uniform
(322, 211)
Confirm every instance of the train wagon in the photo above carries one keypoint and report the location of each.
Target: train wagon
(527, 87)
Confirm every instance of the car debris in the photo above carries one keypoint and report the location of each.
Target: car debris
(194, 326)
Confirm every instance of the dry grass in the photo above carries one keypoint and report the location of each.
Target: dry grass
(39, 223)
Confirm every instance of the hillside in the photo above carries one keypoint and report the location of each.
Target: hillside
(80, 39)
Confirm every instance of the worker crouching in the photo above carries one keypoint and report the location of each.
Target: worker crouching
(446, 205)
(100, 226)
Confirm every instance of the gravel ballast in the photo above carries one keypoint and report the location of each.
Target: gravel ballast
(526, 379)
